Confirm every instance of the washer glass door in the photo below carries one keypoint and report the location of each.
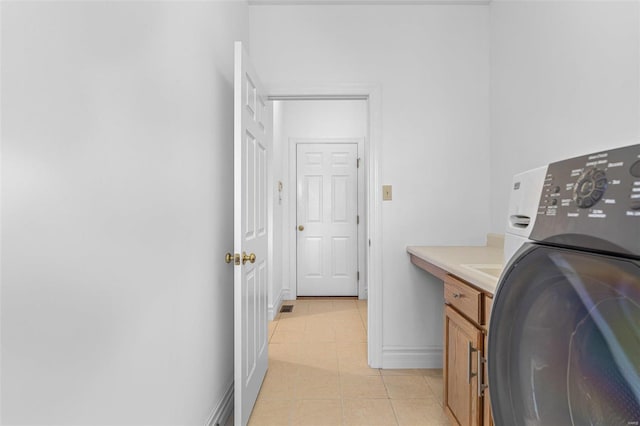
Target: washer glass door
(564, 340)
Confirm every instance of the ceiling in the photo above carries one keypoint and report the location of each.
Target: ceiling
(368, 2)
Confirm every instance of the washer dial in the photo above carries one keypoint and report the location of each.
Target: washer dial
(590, 188)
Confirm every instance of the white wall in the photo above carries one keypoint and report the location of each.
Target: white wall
(564, 82)
(117, 135)
(277, 203)
(432, 64)
(311, 120)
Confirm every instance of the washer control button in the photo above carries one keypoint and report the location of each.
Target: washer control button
(590, 187)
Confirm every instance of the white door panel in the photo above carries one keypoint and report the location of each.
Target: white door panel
(252, 138)
(327, 199)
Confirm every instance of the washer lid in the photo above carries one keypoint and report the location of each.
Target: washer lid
(564, 340)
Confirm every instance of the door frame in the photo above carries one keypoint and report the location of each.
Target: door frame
(292, 233)
(373, 192)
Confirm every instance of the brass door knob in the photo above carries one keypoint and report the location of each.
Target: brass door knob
(300, 228)
(251, 258)
(235, 258)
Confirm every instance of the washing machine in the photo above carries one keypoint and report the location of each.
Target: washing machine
(526, 188)
(564, 335)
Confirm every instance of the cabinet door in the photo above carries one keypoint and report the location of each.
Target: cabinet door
(486, 408)
(462, 342)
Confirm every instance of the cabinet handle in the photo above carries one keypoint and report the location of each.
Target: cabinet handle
(481, 385)
(470, 374)
(457, 295)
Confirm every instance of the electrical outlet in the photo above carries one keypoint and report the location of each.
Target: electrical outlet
(386, 192)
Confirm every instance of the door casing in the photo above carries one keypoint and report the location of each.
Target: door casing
(373, 193)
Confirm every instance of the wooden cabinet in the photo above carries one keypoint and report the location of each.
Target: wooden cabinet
(487, 418)
(486, 411)
(462, 343)
(466, 400)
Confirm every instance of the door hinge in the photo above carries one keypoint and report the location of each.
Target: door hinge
(358, 163)
(358, 276)
(358, 220)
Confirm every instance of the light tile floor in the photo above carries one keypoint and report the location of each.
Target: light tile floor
(318, 374)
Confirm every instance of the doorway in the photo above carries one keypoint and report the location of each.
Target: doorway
(325, 124)
(282, 181)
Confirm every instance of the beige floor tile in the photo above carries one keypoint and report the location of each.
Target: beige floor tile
(317, 386)
(287, 336)
(271, 328)
(292, 324)
(298, 306)
(368, 412)
(321, 307)
(330, 365)
(406, 372)
(288, 352)
(320, 350)
(278, 384)
(276, 366)
(435, 372)
(317, 413)
(271, 413)
(307, 375)
(345, 305)
(319, 317)
(356, 366)
(358, 386)
(437, 386)
(318, 321)
(357, 351)
(357, 369)
(319, 370)
(347, 323)
(351, 315)
(419, 412)
(319, 334)
(351, 334)
(405, 387)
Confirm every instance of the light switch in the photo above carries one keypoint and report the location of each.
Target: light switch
(386, 192)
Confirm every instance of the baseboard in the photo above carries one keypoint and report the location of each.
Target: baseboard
(223, 409)
(273, 309)
(411, 357)
(287, 295)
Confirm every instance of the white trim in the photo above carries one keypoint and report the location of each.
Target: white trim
(274, 308)
(287, 295)
(412, 357)
(373, 259)
(368, 2)
(1, 283)
(220, 414)
(374, 229)
(290, 224)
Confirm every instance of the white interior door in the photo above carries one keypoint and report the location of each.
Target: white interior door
(327, 210)
(252, 138)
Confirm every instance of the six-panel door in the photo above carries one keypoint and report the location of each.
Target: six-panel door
(327, 209)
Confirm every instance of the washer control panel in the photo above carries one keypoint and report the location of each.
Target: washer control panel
(593, 201)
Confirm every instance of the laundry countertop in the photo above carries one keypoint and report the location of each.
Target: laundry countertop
(480, 266)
